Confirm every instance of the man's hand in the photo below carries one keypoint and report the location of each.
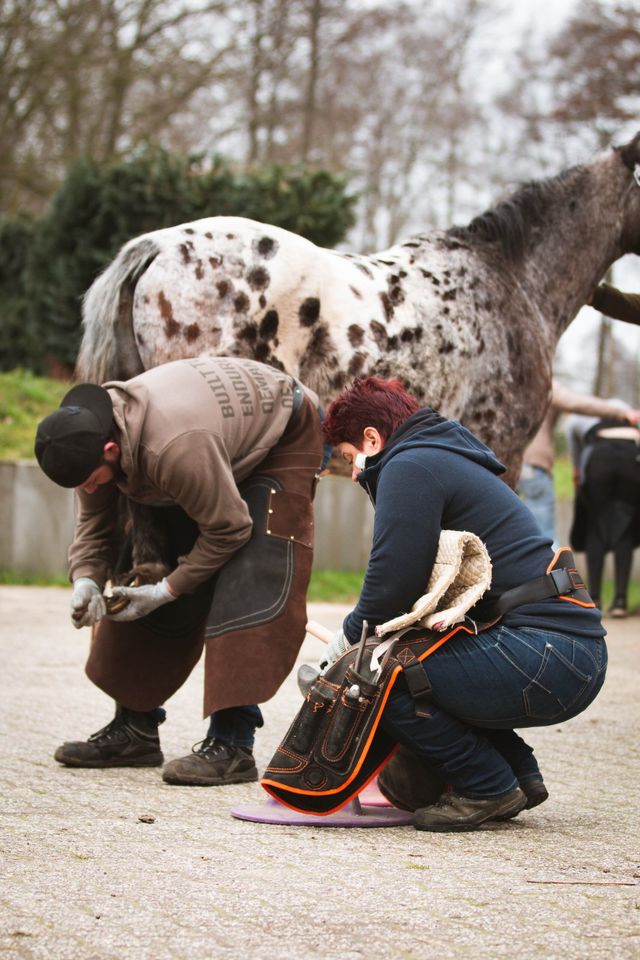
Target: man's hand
(142, 600)
(337, 646)
(87, 603)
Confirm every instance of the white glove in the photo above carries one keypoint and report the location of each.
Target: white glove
(337, 646)
(87, 603)
(142, 600)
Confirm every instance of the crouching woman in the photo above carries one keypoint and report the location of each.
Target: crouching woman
(539, 655)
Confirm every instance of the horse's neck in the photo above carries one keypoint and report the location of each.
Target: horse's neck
(577, 242)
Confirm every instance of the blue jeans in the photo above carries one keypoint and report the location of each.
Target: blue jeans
(236, 725)
(535, 489)
(482, 687)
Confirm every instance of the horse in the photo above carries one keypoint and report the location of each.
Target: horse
(468, 317)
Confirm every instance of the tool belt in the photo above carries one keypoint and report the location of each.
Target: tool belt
(335, 744)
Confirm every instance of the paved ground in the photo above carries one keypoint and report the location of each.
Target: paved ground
(84, 877)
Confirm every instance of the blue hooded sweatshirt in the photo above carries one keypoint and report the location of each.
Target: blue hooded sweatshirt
(434, 475)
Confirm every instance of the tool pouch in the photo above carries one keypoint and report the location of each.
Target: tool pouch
(335, 744)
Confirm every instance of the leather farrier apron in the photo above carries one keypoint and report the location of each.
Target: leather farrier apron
(250, 616)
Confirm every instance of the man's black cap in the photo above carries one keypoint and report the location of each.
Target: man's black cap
(70, 441)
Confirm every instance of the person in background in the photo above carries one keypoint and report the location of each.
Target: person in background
(606, 467)
(535, 486)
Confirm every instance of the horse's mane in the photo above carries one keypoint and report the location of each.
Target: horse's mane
(512, 222)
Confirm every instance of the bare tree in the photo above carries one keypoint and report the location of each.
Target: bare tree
(95, 77)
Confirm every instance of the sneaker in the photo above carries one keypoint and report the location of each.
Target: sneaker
(618, 608)
(212, 763)
(130, 740)
(454, 812)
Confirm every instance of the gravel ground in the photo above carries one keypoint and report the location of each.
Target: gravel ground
(101, 864)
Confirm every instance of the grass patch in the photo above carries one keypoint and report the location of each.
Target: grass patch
(335, 586)
(24, 400)
(11, 578)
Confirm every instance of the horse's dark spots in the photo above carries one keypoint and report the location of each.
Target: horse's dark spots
(192, 332)
(209, 235)
(356, 293)
(223, 287)
(407, 335)
(309, 311)
(356, 364)
(171, 326)
(145, 299)
(450, 294)
(498, 397)
(241, 302)
(365, 269)
(248, 333)
(386, 306)
(411, 243)
(185, 252)
(387, 263)
(402, 274)
(474, 282)
(266, 247)
(446, 311)
(396, 295)
(321, 350)
(338, 381)
(447, 347)
(258, 278)
(215, 262)
(429, 276)
(446, 273)
(269, 325)
(199, 270)
(462, 272)
(378, 333)
(392, 343)
(418, 391)
(355, 334)
(262, 351)
(488, 304)
(231, 236)
(140, 340)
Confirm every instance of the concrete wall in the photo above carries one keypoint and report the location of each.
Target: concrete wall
(36, 523)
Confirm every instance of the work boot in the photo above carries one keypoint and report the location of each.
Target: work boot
(212, 763)
(410, 782)
(453, 812)
(535, 792)
(130, 740)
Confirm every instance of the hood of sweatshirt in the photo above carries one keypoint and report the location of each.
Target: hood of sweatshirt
(426, 428)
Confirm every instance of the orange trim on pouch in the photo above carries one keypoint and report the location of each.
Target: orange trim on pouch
(365, 749)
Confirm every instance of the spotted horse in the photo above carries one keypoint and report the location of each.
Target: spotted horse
(468, 317)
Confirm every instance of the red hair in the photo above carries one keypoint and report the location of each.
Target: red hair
(370, 402)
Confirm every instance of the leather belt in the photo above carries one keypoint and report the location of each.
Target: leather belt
(560, 581)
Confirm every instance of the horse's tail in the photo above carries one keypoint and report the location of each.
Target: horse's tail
(108, 349)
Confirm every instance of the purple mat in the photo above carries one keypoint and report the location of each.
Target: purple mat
(353, 814)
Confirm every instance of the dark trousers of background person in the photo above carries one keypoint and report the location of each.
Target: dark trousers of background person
(612, 501)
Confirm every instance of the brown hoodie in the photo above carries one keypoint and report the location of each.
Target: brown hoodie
(189, 432)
